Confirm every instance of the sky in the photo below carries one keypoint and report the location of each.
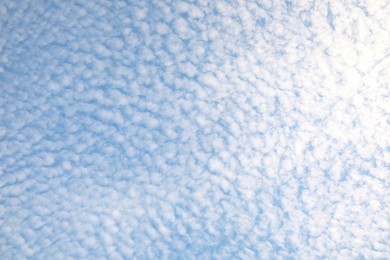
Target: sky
(162, 129)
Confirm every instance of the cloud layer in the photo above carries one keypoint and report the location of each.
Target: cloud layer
(194, 129)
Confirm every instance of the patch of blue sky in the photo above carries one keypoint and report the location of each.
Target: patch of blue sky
(193, 129)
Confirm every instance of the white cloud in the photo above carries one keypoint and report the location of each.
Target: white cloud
(194, 130)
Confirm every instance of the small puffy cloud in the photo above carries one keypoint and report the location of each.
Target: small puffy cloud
(153, 130)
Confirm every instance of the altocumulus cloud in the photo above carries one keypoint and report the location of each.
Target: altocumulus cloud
(194, 129)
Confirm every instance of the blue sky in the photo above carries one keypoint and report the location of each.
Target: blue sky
(194, 129)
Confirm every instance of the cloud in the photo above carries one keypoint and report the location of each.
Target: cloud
(194, 130)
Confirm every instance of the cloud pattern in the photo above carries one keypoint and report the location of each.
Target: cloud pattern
(194, 129)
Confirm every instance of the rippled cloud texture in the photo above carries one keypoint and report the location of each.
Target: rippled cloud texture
(194, 129)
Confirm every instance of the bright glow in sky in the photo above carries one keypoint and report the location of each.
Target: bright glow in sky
(194, 129)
